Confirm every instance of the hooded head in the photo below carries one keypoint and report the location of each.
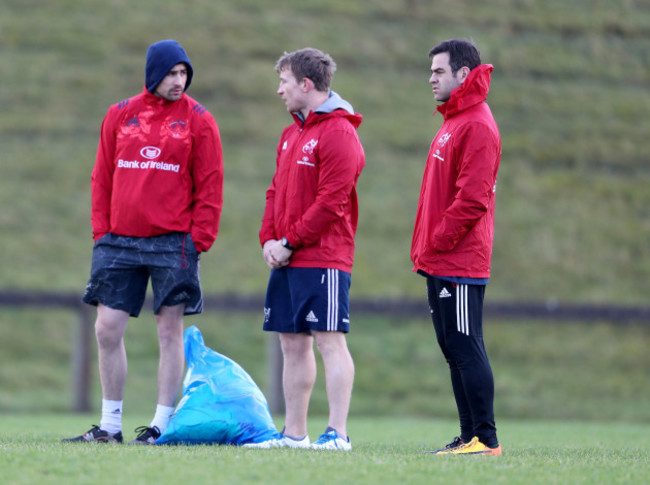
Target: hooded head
(161, 57)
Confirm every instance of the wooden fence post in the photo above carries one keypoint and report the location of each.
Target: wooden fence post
(81, 359)
(274, 378)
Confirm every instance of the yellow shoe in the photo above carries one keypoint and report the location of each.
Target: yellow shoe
(474, 447)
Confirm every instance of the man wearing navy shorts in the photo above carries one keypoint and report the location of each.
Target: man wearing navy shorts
(307, 235)
(156, 204)
(454, 232)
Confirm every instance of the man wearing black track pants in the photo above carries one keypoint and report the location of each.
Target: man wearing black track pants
(454, 232)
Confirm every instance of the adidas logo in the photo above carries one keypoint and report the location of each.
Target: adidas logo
(444, 293)
(311, 317)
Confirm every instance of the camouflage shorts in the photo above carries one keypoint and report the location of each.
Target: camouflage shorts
(122, 265)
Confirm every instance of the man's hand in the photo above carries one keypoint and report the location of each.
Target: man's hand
(275, 254)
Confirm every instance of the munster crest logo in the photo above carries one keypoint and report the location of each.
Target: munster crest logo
(442, 141)
(309, 146)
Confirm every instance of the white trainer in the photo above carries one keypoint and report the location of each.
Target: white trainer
(283, 442)
(330, 440)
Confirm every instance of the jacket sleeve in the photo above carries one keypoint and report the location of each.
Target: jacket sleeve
(477, 152)
(339, 169)
(267, 231)
(102, 178)
(207, 177)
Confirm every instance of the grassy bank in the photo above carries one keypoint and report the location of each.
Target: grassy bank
(594, 371)
(569, 93)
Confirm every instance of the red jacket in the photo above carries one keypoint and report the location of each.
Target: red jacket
(454, 226)
(159, 169)
(312, 200)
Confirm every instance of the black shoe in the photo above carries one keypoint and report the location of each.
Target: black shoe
(96, 434)
(146, 435)
(456, 443)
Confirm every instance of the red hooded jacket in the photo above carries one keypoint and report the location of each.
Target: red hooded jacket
(312, 199)
(454, 226)
(159, 169)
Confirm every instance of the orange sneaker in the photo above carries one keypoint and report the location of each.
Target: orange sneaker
(474, 447)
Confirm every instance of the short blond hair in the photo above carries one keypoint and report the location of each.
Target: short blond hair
(309, 63)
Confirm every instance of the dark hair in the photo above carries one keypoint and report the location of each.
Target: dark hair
(311, 64)
(461, 53)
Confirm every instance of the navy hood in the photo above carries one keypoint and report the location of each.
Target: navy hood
(161, 57)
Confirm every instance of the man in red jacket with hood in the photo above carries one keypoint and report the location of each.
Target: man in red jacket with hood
(156, 204)
(454, 231)
(307, 235)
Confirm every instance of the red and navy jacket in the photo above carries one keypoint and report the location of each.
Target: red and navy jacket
(312, 199)
(454, 226)
(159, 169)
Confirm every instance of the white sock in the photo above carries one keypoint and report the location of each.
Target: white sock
(162, 417)
(111, 416)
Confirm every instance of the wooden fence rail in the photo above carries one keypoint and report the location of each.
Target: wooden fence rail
(82, 361)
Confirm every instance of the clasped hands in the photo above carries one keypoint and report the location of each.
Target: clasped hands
(275, 254)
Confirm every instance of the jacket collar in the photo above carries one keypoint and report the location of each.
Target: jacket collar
(472, 92)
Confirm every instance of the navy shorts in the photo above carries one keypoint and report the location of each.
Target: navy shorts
(122, 265)
(299, 300)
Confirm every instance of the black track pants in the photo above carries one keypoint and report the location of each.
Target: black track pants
(457, 314)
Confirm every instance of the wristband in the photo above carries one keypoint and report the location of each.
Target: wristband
(286, 244)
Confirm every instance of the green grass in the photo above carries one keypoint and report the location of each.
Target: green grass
(544, 370)
(385, 450)
(569, 93)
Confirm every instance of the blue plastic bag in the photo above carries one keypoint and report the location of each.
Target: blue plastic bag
(221, 403)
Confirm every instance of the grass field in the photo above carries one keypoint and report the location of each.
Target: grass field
(385, 450)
